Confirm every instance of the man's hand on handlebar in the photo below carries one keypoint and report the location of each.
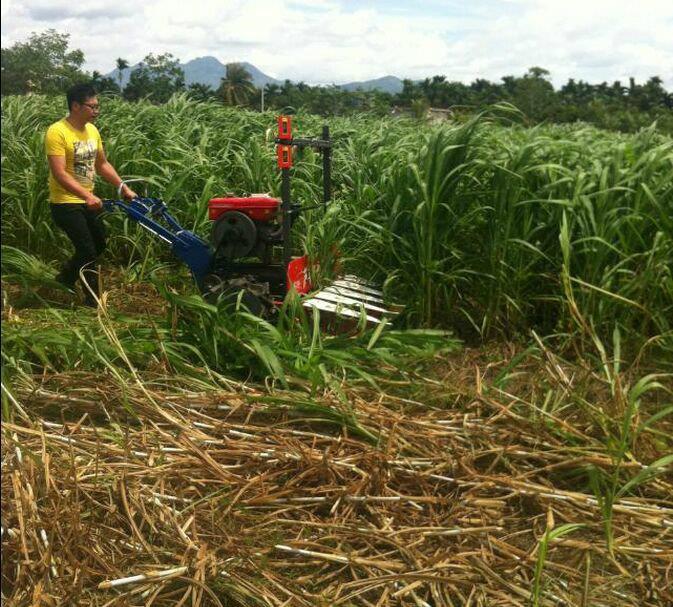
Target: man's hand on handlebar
(127, 192)
(93, 203)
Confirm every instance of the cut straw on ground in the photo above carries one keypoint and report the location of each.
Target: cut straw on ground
(262, 507)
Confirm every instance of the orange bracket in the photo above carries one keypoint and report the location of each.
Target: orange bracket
(284, 156)
(284, 127)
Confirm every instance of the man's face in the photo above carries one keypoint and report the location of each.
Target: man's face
(88, 109)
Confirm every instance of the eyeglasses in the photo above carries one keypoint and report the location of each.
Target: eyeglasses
(95, 107)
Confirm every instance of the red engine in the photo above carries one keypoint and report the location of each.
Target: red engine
(244, 227)
(248, 228)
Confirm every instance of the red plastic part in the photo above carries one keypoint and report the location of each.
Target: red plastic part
(258, 208)
(298, 275)
(284, 157)
(284, 127)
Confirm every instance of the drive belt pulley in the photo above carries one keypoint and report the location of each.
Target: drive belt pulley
(234, 235)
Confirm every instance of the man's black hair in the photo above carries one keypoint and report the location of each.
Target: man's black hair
(80, 93)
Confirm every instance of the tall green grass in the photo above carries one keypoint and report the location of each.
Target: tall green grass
(508, 228)
(489, 228)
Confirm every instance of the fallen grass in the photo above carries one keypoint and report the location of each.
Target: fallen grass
(162, 490)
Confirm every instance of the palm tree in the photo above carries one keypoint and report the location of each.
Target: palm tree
(122, 65)
(200, 91)
(236, 86)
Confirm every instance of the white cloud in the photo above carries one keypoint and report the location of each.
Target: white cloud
(338, 41)
(4, 7)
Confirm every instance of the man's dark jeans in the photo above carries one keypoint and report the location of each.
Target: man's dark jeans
(87, 233)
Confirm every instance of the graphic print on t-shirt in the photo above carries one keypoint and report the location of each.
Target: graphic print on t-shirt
(84, 161)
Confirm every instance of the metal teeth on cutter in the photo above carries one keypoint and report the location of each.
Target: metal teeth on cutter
(341, 310)
(349, 297)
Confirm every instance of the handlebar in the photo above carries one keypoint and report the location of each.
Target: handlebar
(188, 247)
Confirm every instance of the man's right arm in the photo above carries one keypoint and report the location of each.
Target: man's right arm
(69, 183)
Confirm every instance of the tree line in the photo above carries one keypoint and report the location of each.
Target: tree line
(45, 64)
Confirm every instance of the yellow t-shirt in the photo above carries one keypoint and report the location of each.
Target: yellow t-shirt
(80, 149)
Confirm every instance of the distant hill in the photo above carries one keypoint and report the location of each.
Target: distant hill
(209, 70)
(387, 84)
(206, 70)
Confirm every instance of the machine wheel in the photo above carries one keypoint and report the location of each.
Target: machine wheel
(234, 235)
(255, 297)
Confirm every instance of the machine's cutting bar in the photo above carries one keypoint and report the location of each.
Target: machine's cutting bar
(349, 283)
(349, 302)
(341, 310)
(363, 297)
(350, 288)
(350, 298)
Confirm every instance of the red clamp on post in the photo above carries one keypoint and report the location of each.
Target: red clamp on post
(284, 156)
(284, 127)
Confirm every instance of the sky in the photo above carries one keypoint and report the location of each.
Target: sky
(338, 41)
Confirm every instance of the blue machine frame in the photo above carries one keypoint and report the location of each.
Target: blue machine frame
(195, 252)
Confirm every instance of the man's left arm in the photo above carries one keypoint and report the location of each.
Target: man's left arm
(108, 172)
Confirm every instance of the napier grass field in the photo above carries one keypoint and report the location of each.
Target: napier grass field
(507, 443)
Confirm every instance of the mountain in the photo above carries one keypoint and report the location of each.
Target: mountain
(209, 70)
(206, 70)
(387, 84)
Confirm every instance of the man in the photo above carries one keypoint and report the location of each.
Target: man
(75, 154)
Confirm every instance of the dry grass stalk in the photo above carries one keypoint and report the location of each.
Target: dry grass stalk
(227, 499)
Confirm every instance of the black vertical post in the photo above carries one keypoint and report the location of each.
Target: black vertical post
(287, 221)
(326, 167)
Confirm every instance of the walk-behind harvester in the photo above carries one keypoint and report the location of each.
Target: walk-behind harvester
(250, 248)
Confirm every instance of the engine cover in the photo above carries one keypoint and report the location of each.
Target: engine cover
(258, 208)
